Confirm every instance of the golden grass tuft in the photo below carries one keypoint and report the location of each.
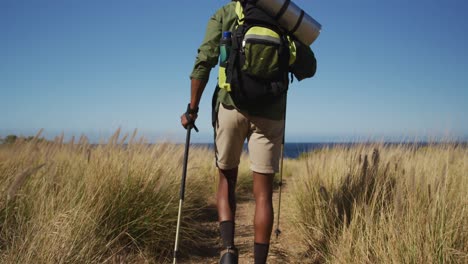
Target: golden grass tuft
(383, 204)
(79, 203)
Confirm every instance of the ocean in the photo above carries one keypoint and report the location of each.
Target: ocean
(294, 150)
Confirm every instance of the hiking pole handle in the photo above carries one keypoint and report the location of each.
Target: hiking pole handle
(194, 127)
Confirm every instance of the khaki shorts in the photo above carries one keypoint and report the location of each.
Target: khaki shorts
(264, 138)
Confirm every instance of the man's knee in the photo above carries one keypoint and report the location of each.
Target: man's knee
(229, 174)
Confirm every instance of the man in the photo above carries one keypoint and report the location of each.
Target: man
(261, 124)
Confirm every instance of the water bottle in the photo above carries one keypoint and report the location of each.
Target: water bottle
(225, 48)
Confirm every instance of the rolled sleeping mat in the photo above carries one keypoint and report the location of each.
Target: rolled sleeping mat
(292, 18)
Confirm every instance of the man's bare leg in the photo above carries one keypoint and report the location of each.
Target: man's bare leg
(226, 204)
(263, 220)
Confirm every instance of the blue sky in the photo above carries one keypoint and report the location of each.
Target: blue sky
(386, 69)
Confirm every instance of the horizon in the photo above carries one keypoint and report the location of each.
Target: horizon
(326, 139)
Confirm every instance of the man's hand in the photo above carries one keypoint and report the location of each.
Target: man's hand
(185, 122)
(196, 90)
(188, 118)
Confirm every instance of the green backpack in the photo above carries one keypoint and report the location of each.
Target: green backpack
(256, 70)
(261, 57)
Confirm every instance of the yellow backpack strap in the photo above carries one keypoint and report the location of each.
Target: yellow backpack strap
(240, 13)
(292, 51)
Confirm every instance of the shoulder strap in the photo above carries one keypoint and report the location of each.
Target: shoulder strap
(240, 13)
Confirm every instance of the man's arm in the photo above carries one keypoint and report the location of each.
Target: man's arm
(196, 91)
(207, 58)
(197, 87)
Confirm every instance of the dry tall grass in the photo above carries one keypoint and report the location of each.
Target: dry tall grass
(113, 203)
(382, 204)
(77, 203)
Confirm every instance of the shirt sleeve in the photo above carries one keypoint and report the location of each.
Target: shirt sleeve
(208, 52)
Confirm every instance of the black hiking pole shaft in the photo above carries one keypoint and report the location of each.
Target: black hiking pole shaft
(184, 170)
(278, 231)
(182, 192)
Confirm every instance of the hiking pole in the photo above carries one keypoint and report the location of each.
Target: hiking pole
(278, 231)
(182, 184)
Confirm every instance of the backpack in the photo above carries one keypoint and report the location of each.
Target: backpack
(261, 53)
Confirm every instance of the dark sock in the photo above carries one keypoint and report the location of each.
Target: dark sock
(226, 229)
(261, 253)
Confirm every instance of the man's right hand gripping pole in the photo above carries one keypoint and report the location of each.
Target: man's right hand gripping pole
(188, 118)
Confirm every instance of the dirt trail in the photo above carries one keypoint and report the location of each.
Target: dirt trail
(210, 247)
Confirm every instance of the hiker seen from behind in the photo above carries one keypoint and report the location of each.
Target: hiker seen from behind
(257, 60)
